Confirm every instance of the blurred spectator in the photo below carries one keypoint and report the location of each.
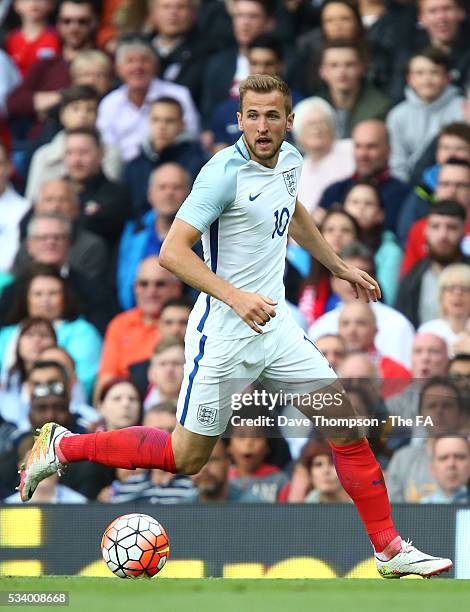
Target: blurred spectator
(450, 466)
(409, 478)
(265, 56)
(227, 68)
(452, 145)
(87, 253)
(396, 345)
(363, 202)
(168, 187)
(105, 205)
(430, 103)
(9, 79)
(78, 109)
(249, 450)
(161, 416)
(136, 65)
(94, 69)
(119, 405)
(459, 371)
(181, 49)
(165, 373)
(454, 306)
(212, 483)
(342, 69)
(417, 296)
(12, 209)
(333, 347)
(325, 486)
(132, 335)
(173, 319)
(371, 154)
(39, 92)
(339, 229)
(34, 39)
(44, 293)
(357, 325)
(167, 143)
(326, 159)
(49, 490)
(453, 183)
(121, 18)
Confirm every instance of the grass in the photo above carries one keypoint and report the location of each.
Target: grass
(225, 595)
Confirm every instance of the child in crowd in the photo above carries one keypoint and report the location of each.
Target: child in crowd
(34, 39)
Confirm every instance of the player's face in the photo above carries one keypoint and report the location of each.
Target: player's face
(264, 123)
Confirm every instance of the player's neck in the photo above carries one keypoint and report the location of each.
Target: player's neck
(267, 163)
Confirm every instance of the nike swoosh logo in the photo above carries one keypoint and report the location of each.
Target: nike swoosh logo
(422, 561)
(377, 482)
(253, 198)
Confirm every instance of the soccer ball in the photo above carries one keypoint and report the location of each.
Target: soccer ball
(135, 546)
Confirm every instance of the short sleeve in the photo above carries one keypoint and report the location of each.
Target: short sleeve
(213, 190)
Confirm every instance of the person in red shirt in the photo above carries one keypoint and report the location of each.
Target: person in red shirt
(34, 39)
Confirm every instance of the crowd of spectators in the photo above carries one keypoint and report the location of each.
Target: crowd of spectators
(109, 109)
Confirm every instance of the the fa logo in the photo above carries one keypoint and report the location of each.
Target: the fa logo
(290, 180)
(206, 415)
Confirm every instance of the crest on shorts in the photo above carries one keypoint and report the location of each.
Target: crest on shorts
(290, 181)
(206, 415)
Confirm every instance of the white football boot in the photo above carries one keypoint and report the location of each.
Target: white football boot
(410, 560)
(42, 461)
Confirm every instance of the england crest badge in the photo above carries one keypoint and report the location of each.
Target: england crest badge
(290, 181)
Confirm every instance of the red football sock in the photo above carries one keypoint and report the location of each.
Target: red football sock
(129, 448)
(362, 478)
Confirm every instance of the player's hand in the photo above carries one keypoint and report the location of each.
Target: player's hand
(362, 283)
(255, 309)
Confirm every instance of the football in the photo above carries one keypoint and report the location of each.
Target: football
(135, 546)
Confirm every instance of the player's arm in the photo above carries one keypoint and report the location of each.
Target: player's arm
(177, 256)
(304, 231)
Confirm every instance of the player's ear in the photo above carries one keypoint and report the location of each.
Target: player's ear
(290, 121)
(239, 119)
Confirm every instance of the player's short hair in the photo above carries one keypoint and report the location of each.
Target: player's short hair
(458, 129)
(168, 100)
(264, 83)
(92, 132)
(434, 55)
(448, 208)
(78, 93)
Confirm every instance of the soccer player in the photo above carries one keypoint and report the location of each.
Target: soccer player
(243, 205)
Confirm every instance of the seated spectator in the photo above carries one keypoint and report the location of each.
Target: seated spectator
(454, 306)
(165, 373)
(363, 202)
(339, 229)
(212, 483)
(78, 109)
(9, 79)
(132, 335)
(250, 471)
(168, 187)
(357, 326)
(409, 478)
(396, 345)
(167, 143)
(105, 205)
(49, 490)
(136, 65)
(453, 184)
(450, 466)
(459, 372)
(265, 56)
(119, 405)
(342, 69)
(12, 209)
(34, 39)
(371, 156)
(94, 69)
(172, 322)
(87, 253)
(39, 92)
(326, 159)
(417, 295)
(44, 293)
(452, 143)
(333, 347)
(325, 486)
(430, 103)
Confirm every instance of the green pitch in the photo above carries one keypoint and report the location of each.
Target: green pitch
(219, 595)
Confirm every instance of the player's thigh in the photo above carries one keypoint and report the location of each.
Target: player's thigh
(215, 371)
(191, 450)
